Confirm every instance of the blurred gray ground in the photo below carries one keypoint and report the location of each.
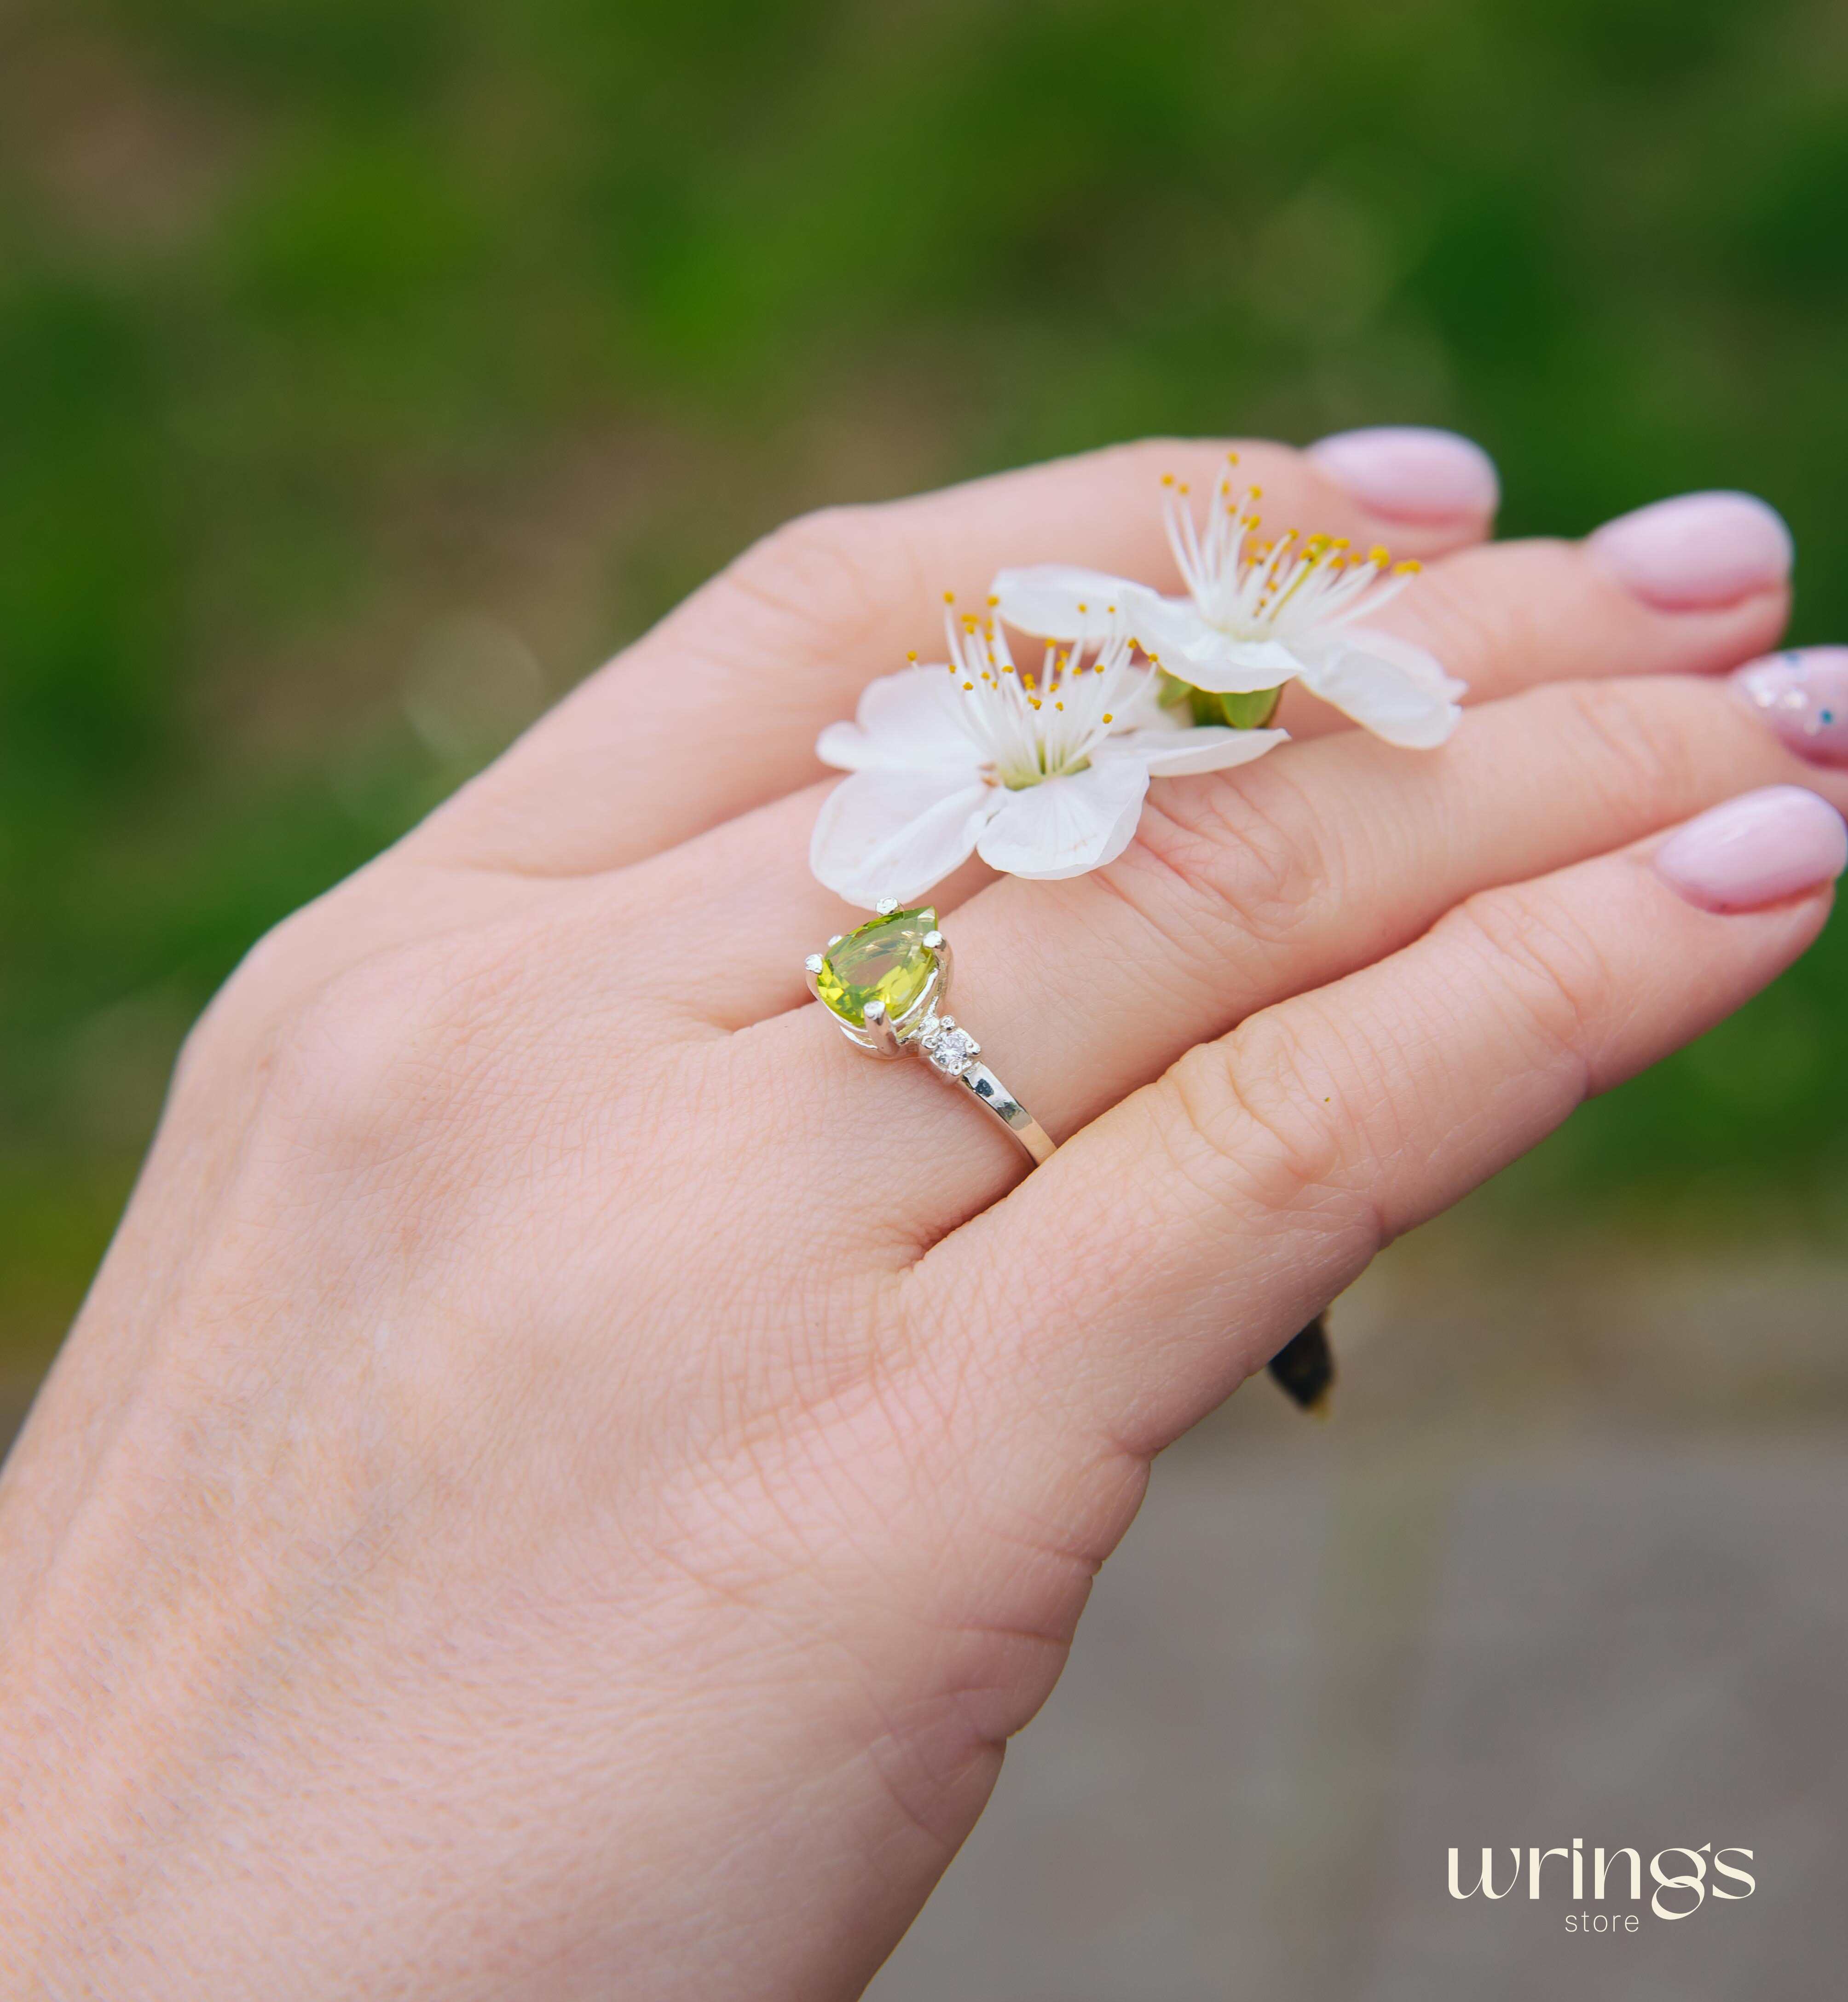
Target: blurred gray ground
(1568, 1562)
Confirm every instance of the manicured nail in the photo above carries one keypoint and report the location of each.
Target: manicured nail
(1697, 551)
(1803, 694)
(1756, 849)
(1409, 473)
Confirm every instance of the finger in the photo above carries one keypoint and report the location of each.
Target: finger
(1226, 1203)
(717, 708)
(1243, 891)
(1505, 619)
(1694, 585)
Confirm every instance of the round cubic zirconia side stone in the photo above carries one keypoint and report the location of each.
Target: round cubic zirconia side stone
(951, 1051)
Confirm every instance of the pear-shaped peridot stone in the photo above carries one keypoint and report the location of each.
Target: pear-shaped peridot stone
(886, 960)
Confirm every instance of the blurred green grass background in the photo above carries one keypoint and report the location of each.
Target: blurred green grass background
(369, 369)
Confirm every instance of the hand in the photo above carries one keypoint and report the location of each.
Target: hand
(569, 1475)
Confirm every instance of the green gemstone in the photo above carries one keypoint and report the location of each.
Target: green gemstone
(886, 960)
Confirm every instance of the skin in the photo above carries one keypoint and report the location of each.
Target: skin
(569, 1476)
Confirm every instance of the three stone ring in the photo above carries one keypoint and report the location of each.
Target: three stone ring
(885, 983)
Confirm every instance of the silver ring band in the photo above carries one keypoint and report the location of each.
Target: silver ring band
(884, 984)
(993, 1096)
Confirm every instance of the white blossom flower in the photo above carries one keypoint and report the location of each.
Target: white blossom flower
(1041, 773)
(1256, 615)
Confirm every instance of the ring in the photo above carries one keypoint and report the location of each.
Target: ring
(884, 983)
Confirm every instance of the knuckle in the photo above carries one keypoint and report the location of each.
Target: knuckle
(241, 1025)
(1625, 746)
(385, 1057)
(844, 563)
(1242, 853)
(338, 1069)
(1543, 961)
(1478, 634)
(1246, 1115)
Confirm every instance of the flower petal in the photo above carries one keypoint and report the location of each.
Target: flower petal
(1141, 707)
(1171, 631)
(884, 833)
(1173, 754)
(1060, 601)
(1399, 691)
(909, 721)
(1067, 826)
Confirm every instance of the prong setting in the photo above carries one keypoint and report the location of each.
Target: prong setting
(884, 1035)
(945, 1046)
(882, 1039)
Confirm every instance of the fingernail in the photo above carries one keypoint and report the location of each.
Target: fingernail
(1803, 694)
(1756, 849)
(1697, 551)
(1410, 473)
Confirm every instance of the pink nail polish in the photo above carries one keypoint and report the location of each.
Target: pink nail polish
(1803, 694)
(1773, 843)
(1698, 551)
(1410, 473)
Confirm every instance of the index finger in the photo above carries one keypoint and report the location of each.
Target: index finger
(717, 710)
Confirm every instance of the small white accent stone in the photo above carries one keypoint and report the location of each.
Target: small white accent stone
(950, 1051)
